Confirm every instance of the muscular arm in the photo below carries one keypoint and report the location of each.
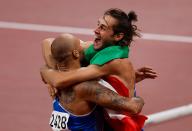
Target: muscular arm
(65, 79)
(49, 61)
(92, 91)
(46, 51)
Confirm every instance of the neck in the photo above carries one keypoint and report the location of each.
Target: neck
(64, 66)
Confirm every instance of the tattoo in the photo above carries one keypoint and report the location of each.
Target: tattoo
(67, 96)
(105, 97)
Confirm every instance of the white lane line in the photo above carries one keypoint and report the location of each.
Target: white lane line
(171, 38)
(45, 28)
(169, 114)
(86, 31)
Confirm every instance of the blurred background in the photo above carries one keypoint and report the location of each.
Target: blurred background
(166, 46)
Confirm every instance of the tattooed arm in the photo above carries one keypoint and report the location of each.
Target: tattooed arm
(94, 92)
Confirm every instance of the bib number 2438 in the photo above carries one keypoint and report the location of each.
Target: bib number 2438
(58, 121)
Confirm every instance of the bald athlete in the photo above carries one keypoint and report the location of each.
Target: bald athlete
(75, 108)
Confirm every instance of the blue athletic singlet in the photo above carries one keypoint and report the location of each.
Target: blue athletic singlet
(62, 120)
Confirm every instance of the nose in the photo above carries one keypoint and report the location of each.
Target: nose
(97, 30)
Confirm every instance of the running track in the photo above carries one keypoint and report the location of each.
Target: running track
(25, 104)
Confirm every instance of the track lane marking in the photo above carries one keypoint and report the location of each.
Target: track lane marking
(169, 114)
(87, 31)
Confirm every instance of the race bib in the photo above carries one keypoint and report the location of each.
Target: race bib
(58, 121)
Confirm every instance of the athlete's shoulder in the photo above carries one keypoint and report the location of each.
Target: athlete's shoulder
(117, 65)
(116, 62)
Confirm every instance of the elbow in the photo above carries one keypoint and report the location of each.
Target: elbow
(55, 84)
(135, 111)
(59, 84)
(137, 106)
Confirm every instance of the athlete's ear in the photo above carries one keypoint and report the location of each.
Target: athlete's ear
(119, 36)
(76, 53)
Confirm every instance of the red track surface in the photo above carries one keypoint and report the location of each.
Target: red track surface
(25, 104)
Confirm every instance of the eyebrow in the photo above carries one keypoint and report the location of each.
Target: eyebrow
(105, 25)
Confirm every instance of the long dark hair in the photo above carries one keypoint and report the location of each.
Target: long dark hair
(125, 25)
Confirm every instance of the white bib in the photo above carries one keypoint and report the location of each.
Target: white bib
(58, 121)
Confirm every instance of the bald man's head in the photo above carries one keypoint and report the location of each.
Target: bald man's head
(64, 47)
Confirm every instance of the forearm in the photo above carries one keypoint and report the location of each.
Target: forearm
(55, 78)
(46, 51)
(119, 103)
(96, 93)
(113, 101)
(64, 79)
